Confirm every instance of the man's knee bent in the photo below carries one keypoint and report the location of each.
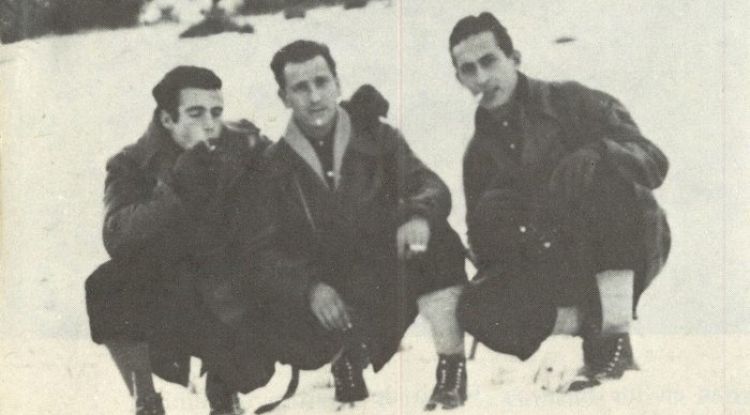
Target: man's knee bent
(440, 304)
(504, 326)
(439, 308)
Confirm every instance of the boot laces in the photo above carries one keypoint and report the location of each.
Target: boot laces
(608, 367)
(459, 375)
(151, 405)
(442, 376)
(345, 379)
(444, 380)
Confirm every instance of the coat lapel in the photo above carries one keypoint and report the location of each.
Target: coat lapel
(159, 150)
(302, 147)
(341, 143)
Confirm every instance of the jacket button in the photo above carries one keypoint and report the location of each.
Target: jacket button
(329, 173)
(522, 229)
(547, 244)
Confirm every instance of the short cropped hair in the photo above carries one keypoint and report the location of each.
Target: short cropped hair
(167, 91)
(297, 52)
(473, 25)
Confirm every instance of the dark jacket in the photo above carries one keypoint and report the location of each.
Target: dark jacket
(346, 235)
(555, 120)
(175, 279)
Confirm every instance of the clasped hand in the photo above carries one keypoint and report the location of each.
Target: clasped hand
(412, 237)
(195, 167)
(328, 307)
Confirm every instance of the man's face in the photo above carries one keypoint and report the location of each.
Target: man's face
(199, 117)
(312, 93)
(483, 68)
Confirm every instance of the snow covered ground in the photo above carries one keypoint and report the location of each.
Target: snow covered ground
(67, 103)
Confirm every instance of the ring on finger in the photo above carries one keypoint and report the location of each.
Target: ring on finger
(417, 247)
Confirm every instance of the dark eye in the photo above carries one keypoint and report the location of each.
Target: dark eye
(195, 112)
(300, 88)
(321, 81)
(216, 112)
(468, 69)
(487, 60)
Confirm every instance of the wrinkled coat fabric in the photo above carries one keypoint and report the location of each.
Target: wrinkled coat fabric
(554, 120)
(345, 236)
(174, 279)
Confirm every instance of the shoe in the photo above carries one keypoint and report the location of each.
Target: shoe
(606, 357)
(347, 371)
(232, 407)
(150, 405)
(450, 389)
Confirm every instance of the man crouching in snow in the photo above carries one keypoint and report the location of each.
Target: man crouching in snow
(561, 220)
(368, 220)
(173, 288)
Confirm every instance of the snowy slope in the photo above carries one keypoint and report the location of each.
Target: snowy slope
(67, 103)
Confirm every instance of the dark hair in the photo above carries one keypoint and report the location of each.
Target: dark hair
(473, 25)
(167, 91)
(297, 52)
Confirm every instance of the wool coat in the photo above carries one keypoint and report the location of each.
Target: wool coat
(175, 279)
(345, 235)
(555, 120)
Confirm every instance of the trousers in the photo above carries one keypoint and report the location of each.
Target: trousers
(510, 306)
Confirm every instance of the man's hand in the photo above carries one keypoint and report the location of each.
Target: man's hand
(575, 173)
(412, 237)
(329, 308)
(195, 172)
(557, 363)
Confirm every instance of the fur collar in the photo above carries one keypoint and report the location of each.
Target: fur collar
(301, 145)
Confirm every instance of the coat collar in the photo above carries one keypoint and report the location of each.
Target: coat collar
(302, 147)
(534, 98)
(157, 141)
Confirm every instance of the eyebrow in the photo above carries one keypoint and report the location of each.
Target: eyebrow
(299, 83)
(479, 59)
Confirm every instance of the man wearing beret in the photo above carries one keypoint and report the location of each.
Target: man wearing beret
(560, 215)
(174, 287)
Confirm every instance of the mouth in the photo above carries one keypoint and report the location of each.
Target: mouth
(319, 115)
(489, 94)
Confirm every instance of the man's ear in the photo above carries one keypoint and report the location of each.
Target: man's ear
(516, 56)
(338, 86)
(282, 96)
(166, 120)
(461, 82)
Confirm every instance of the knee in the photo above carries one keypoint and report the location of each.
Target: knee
(441, 304)
(478, 314)
(465, 312)
(499, 325)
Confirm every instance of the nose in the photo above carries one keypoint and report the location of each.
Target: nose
(315, 95)
(209, 123)
(482, 76)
